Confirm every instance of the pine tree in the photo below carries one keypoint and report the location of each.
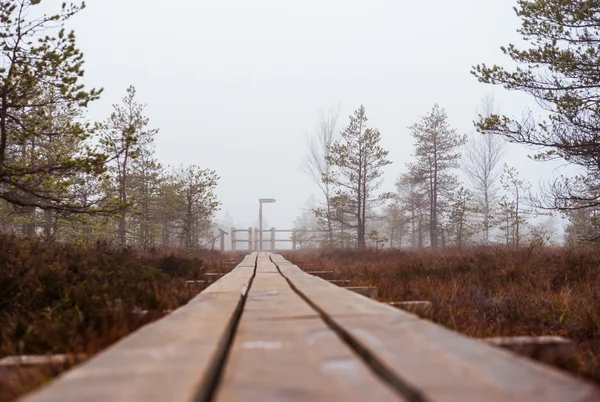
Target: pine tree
(124, 135)
(583, 226)
(145, 185)
(40, 153)
(196, 190)
(170, 199)
(358, 160)
(396, 222)
(460, 224)
(412, 195)
(560, 70)
(437, 153)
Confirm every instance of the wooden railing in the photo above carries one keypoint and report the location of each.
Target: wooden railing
(269, 331)
(253, 241)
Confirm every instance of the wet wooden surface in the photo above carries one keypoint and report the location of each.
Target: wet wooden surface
(284, 351)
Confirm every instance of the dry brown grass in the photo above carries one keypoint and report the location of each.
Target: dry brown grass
(57, 299)
(62, 299)
(489, 291)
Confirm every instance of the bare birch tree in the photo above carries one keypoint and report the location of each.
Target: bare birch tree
(514, 212)
(317, 165)
(481, 164)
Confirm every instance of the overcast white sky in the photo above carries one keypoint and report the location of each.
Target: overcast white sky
(234, 85)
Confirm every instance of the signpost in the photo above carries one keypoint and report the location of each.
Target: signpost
(262, 201)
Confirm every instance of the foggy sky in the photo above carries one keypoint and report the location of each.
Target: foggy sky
(235, 85)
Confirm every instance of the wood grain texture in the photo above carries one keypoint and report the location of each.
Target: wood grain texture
(163, 361)
(443, 365)
(283, 351)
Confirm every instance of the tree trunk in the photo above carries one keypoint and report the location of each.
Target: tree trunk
(329, 223)
(28, 227)
(517, 219)
(121, 233)
(420, 231)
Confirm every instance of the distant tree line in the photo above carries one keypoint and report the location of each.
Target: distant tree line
(431, 207)
(64, 178)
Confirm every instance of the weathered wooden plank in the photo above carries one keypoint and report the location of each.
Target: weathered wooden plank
(547, 349)
(441, 364)
(163, 361)
(367, 291)
(422, 308)
(339, 281)
(322, 274)
(284, 351)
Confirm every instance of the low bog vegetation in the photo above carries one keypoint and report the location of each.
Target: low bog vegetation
(58, 299)
(65, 299)
(489, 291)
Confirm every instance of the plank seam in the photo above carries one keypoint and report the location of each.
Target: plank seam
(377, 367)
(211, 381)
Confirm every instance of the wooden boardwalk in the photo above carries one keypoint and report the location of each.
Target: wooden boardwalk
(268, 331)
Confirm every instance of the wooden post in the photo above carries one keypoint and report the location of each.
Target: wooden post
(223, 233)
(294, 239)
(272, 240)
(233, 231)
(256, 244)
(260, 234)
(250, 239)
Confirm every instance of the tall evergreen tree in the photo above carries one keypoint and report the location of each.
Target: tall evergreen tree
(437, 153)
(124, 136)
(358, 160)
(145, 186)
